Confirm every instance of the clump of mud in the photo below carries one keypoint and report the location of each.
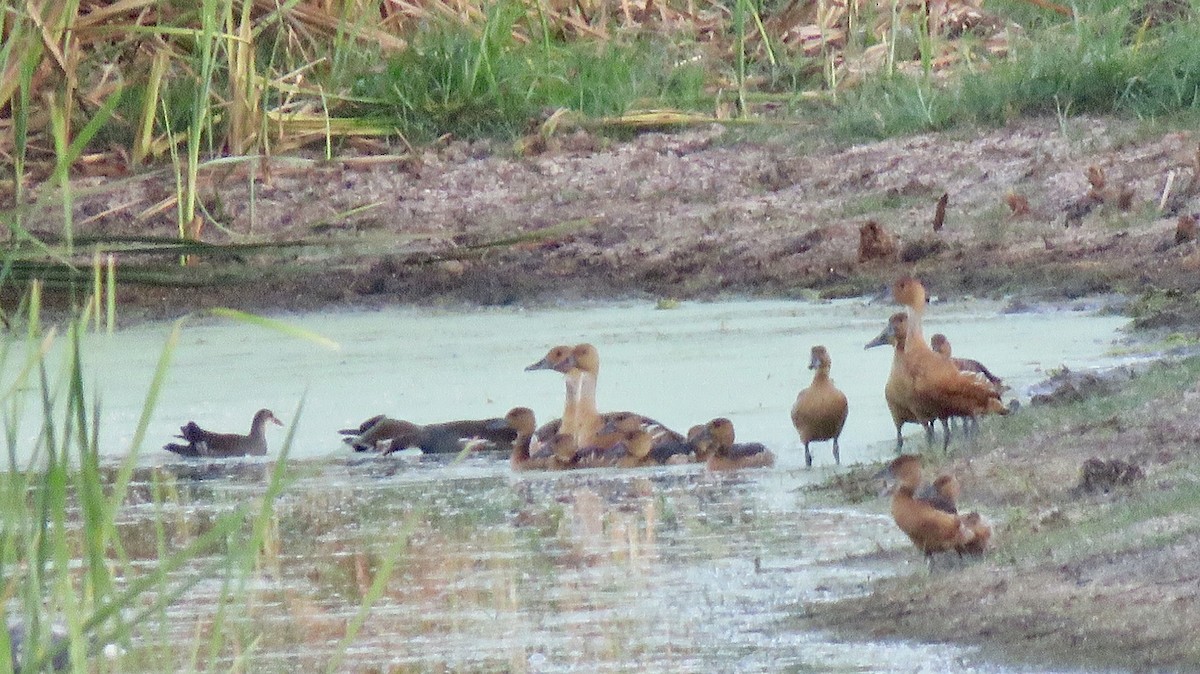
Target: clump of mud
(1100, 476)
(1065, 387)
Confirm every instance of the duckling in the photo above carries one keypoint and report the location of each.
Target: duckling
(631, 451)
(701, 443)
(940, 390)
(819, 412)
(898, 390)
(729, 455)
(206, 444)
(931, 530)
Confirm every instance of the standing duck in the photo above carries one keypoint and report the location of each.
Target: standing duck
(898, 389)
(941, 345)
(206, 444)
(820, 410)
(929, 528)
(940, 390)
(729, 455)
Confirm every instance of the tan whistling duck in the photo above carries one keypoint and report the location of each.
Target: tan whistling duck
(631, 450)
(943, 494)
(898, 390)
(666, 447)
(559, 359)
(820, 410)
(206, 444)
(589, 421)
(521, 420)
(730, 455)
(941, 345)
(930, 529)
(940, 390)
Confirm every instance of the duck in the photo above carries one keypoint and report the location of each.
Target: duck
(941, 345)
(730, 455)
(943, 494)
(820, 410)
(665, 447)
(207, 444)
(631, 450)
(589, 421)
(930, 529)
(522, 421)
(939, 389)
(559, 359)
(898, 389)
(381, 432)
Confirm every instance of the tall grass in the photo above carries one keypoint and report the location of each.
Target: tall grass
(64, 561)
(1102, 64)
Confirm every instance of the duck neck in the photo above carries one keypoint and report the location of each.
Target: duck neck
(521, 447)
(569, 423)
(914, 334)
(821, 376)
(587, 418)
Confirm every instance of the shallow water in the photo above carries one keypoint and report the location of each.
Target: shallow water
(743, 360)
(669, 569)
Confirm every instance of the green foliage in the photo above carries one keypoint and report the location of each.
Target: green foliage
(455, 81)
(1099, 63)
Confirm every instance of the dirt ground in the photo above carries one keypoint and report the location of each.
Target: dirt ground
(708, 212)
(691, 214)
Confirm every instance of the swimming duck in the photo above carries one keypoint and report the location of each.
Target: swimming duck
(665, 446)
(729, 455)
(898, 389)
(586, 359)
(819, 412)
(389, 435)
(631, 450)
(930, 529)
(940, 390)
(559, 359)
(206, 444)
(522, 421)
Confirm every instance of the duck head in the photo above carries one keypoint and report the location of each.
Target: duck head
(894, 333)
(819, 359)
(909, 292)
(558, 359)
(940, 344)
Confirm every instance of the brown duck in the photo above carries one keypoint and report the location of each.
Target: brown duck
(206, 444)
(820, 410)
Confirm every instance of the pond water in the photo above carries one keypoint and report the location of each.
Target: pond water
(669, 569)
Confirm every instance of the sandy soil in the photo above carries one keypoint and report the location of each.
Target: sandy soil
(702, 213)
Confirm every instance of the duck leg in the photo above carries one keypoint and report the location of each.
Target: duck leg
(807, 456)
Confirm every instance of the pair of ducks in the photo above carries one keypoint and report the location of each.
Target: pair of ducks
(583, 437)
(926, 383)
(929, 515)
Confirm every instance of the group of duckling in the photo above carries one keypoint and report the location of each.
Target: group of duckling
(925, 385)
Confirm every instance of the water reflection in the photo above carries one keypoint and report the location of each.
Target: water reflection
(664, 570)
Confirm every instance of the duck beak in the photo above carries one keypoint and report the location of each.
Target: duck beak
(814, 362)
(497, 424)
(542, 364)
(883, 339)
(276, 420)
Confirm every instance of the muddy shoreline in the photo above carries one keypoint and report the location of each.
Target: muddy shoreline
(696, 214)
